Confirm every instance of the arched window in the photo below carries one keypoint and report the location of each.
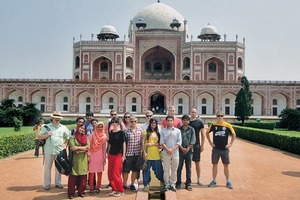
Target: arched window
(231, 59)
(158, 66)
(133, 100)
(111, 100)
(180, 101)
(186, 63)
(43, 99)
(65, 99)
(118, 58)
(86, 58)
(104, 67)
(240, 63)
(20, 99)
(274, 102)
(147, 67)
(227, 101)
(88, 99)
(212, 67)
(77, 62)
(203, 101)
(77, 77)
(197, 59)
(129, 63)
(168, 66)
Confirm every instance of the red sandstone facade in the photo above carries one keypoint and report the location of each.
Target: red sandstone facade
(155, 68)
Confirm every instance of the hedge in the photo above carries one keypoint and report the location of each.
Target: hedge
(260, 125)
(12, 144)
(283, 142)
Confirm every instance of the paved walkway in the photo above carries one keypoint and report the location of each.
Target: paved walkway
(257, 172)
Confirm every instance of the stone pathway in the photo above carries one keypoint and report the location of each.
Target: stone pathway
(257, 172)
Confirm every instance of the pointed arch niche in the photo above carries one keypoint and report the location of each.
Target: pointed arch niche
(158, 63)
(102, 69)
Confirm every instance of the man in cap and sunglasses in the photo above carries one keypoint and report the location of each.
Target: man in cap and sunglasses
(221, 130)
(56, 136)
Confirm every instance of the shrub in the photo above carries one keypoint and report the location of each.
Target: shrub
(12, 144)
(284, 142)
(290, 119)
(260, 125)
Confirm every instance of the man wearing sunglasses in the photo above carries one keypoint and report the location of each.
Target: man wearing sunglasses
(133, 136)
(221, 130)
(148, 115)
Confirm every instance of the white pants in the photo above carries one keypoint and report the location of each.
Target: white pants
(49, 161)
(170, 161)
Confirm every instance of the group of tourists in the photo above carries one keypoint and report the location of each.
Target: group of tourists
(130, 149)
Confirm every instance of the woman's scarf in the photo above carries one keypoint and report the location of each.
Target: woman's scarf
(98, 138)
(81, 138)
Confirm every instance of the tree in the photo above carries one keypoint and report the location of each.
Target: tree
(290, 119)
(30, 114)
(243, 107)
(9, 113)
(13, 116)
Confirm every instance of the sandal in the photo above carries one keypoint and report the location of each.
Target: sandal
(112, 193)
(97, 191)
(91, 192)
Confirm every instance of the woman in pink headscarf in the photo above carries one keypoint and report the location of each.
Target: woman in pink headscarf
(97, 156)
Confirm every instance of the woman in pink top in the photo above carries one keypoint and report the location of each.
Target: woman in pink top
(97, 156)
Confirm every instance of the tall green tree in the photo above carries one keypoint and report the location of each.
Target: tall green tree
(243, 107)
(9, 113)
(30, 114)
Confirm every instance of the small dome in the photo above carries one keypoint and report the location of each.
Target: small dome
(108, 32)
(108, 29)
(209, 29)
(209, 33)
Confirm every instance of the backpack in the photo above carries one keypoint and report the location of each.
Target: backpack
(62, 163)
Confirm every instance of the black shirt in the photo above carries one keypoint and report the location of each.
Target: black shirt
(197, 125)
(116, 140)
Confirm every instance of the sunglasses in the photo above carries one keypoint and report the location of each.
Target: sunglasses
(113, 114)
(148, 115)
(134, 121)
(127, 116)
(220, 115)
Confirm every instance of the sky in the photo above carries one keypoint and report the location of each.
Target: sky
(36, 36)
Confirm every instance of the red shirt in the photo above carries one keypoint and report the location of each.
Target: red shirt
(177, 122)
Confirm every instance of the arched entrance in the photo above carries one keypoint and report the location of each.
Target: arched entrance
(158, 104)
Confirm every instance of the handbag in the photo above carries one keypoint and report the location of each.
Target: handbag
(63, 164)
(141, 163)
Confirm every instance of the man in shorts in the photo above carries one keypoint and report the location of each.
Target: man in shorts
(221, 130)
(133, 137)
(197, 124)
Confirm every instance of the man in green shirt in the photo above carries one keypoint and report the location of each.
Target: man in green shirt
(186, 152)
(56, 136)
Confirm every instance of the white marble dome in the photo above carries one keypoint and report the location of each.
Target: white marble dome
(158, 16)
(108, 29)
(208, 30)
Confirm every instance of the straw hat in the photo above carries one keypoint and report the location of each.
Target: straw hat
(56, 114)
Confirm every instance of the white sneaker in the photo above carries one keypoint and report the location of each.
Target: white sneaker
(199, 182)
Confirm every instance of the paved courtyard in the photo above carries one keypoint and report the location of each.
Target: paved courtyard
(257, 172)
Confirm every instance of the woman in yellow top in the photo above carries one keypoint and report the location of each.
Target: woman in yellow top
(151, 153)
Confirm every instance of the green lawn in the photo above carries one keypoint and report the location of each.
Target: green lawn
(24, 129)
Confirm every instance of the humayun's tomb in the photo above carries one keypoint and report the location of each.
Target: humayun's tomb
(156, 66)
